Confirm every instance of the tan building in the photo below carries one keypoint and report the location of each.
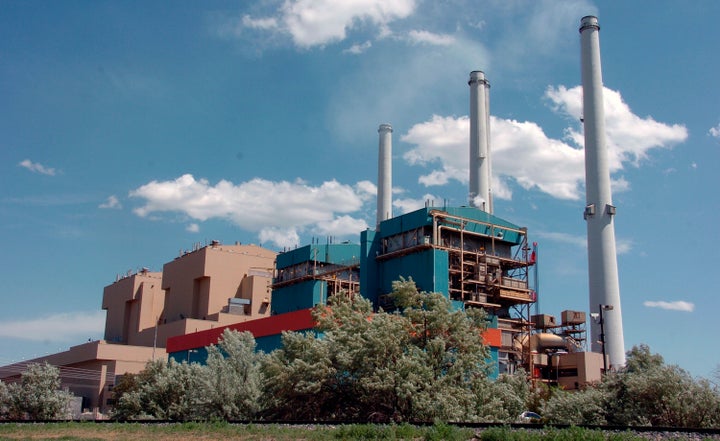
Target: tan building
(208, 287)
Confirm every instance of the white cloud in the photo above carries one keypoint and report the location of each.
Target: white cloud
(319, 22)
(520, 150)
(259, 23)
(282, 237)
(341, 226)
(406, 205)
(192, 228)
(112, 202)
(678, 305)
(56, 327)
(715, 131)
(524, 154)
(366, 190)
(357, 49)
(278, 211)
(430, 38)
(36, 167)
(623, 246)
(629, 137)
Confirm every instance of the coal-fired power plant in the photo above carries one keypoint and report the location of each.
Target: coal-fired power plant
(384, 186)
(480, 192)
(607, 330)
(471, 256)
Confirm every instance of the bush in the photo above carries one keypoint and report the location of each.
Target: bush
(37, 396)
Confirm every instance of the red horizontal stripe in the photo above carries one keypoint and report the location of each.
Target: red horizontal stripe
(276, 324)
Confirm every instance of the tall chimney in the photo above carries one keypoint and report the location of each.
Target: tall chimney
(384, 186)
(599, 210)
(480, 193)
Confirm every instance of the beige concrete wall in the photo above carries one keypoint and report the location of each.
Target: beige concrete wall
(133, 305)
(589, 369)
(89, 370)
(198, 284)
(145, 309)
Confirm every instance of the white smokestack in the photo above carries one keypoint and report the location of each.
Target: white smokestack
(480, 193)
(599, 211)
(384, 186)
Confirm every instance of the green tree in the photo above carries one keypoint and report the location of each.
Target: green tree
(586, 406)
(646, 392)
(4, 401)
(38, 396)
(421, 362)
(504, 399)
(164, 391)
(230, 385)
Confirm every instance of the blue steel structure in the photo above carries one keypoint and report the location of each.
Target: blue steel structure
(472, 257)
(306, 276)
(475, 259)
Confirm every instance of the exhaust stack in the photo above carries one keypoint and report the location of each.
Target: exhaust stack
(384, 186)
(599, 213)
(480, 192)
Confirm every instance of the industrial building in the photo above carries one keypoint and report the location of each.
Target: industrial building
(474, 258)
(207, 287)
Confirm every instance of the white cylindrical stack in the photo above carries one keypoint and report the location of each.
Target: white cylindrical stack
(480, 192)
(384, 186)
(599, 211)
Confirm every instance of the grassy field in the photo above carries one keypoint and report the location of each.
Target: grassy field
(224, 431)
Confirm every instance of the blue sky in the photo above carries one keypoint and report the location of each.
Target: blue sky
(131, 130)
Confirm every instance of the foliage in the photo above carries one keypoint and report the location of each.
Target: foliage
(4, 401)
(647, 392)
(504, 399)
(164, 391)
(37, 396)
(661, 396)
(230, 383)
(420, 363)
(576, 407)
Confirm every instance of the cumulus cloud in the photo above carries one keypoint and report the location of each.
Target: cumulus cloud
(524, 155)
(678, 305)
(279, 211)
(426, 37)
(357, 49)
(192, 228)
(55, 327)
(629, 137)
(112, 202)
(36, 167)
(406, 205)
(521, 151)
(319, 22)
(259, 23)
(715, 131)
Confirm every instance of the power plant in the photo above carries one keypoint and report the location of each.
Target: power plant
(467, 253)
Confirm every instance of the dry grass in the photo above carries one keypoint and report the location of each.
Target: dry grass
(159, 432)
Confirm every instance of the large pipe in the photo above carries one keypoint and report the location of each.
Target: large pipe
(604, 286)
(384, 187)
(480, 192)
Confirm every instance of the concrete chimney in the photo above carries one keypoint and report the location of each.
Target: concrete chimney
(384, 185)
(599, 209)
(480, 193)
